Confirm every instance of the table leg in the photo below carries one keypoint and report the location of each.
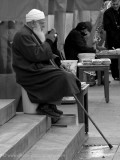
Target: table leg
(80, 75)
(106, 85)
(119, 66)
(86, 108)
(80, 97)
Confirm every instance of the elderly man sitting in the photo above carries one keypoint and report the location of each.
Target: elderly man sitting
(45, 83)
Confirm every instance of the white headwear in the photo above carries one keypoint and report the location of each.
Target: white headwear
(35, 15)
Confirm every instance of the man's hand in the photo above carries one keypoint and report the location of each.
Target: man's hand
(51, 35)
(64, 67)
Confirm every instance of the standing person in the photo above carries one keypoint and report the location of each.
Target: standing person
(111, 24)
(45, 83)
(75, 42)
(11, 33)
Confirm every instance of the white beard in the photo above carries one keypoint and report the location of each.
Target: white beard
(40, 34)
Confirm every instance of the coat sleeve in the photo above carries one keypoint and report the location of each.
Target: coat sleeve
(108, 23)
(32, 51)
(81, 44)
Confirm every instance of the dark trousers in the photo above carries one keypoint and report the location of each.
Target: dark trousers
(114, 68)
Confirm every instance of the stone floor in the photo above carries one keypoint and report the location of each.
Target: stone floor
(107, 118)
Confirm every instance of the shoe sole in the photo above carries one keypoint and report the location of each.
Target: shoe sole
(58, 113)
(55, 120)
(54, 108)
(49, 115)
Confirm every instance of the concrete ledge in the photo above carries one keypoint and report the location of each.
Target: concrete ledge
(7, 110)
(19, 134)
(58, 144)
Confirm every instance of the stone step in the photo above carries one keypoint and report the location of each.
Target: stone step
(20, 133)
(59, 143)
(7, 110)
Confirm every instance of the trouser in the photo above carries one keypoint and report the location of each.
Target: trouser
(114, 68)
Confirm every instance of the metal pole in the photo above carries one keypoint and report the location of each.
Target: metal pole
(110, 146)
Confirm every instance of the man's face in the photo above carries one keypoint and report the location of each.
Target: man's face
(38, 27)
(40, 24)
(115, 4)
(84, 32)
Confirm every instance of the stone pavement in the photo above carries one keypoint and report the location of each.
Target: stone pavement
(107, 118)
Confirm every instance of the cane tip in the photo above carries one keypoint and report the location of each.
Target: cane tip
(110, 146)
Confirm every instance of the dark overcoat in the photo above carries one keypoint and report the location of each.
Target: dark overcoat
(43, 82)
(111, 24)
(74, 44)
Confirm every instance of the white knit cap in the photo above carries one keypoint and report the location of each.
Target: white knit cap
(35, 15)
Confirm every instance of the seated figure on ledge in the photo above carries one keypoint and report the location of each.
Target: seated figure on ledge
(36, 71)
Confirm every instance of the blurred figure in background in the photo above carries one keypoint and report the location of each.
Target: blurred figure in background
(111, 24)
(11, 33)
(75, 42)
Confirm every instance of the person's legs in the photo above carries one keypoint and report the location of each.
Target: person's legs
(65, 84)
(114, 68)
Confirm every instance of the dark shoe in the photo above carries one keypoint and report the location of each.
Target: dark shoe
(54, 108)
(38, 110)
(54, 120)
(92, 84)
(102, 82)
(48, 111)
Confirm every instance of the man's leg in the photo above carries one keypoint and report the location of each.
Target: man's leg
(114, 68)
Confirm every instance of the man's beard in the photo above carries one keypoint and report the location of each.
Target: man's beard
(40, 34)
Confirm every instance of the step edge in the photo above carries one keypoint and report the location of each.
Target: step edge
(8, 154)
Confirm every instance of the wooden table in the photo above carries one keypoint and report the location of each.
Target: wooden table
(111, 56)
(83, 98)
(104, 68)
